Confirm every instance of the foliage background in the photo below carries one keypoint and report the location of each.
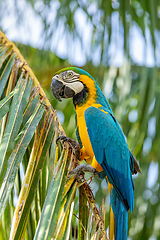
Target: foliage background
(117, 42)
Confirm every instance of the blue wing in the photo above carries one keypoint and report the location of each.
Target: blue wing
(111, 152)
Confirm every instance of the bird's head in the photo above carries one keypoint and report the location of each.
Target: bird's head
(71, 83)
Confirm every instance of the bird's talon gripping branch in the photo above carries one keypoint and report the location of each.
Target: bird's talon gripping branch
(79, 177)
(81, 169)
(62, 138)
(74, 145)
(59, 138)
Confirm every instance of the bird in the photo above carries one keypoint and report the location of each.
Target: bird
(101, 141)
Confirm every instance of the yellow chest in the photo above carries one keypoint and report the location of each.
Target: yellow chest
(81, 124)
(83, 134)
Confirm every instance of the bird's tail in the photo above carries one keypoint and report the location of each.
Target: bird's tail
(111, 217)
(120, 217)
(111, 225)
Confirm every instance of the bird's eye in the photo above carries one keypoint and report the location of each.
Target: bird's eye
(70, 74)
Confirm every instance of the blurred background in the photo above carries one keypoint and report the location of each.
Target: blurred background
(118, 43)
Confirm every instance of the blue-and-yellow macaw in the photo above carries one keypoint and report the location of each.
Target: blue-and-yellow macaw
(102, 142)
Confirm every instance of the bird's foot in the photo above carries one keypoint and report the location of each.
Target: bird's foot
(74, 145)
(81, 169)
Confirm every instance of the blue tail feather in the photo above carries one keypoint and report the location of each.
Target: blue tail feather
(121, 217)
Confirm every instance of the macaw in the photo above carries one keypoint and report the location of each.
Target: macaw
(102, 142)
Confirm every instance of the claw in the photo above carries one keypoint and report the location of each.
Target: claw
(61, 137)
(74, 145)
(81, 169)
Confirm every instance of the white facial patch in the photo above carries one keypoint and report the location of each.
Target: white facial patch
(75, 86)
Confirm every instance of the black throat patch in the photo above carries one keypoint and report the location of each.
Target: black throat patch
(80, 98)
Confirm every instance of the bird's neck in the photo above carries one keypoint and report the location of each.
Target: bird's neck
(81, 98)
(91, 95)
(88, 94)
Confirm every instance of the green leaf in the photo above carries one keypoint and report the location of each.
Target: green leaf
(4, 104)
(4, 54)
(62, 231)
(17, 156)
(13, 125)
(6, 72)
(68, 226)
(83, 214)
(26, 199)
(49, 216)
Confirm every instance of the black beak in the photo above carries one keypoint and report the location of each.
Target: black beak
(56, 87)
(60, 90)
